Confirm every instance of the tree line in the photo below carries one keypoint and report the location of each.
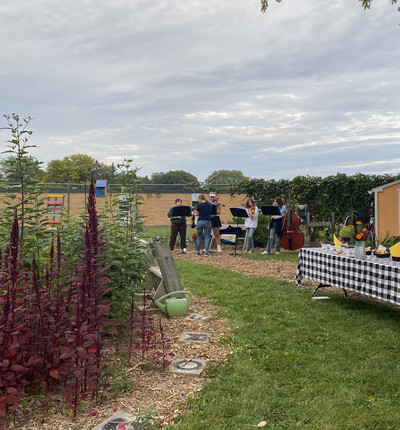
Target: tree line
(78, 168)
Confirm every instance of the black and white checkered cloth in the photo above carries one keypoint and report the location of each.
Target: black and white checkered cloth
(377, 278)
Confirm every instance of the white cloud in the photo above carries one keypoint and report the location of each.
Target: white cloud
(302, 89)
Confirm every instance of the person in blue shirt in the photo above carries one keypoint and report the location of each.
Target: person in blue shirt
(203, 225)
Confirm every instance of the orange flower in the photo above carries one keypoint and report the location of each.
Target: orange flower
(358, 222)
(359, 236)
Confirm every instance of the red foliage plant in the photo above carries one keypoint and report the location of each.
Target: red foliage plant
(52, 327)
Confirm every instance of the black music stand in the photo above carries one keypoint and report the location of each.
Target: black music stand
(181, 211)
(271, 210)
(238, 213)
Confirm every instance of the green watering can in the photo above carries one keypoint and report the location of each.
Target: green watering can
(174, 306)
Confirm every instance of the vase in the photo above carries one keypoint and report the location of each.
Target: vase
(359, 251)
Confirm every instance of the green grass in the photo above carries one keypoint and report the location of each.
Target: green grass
(296, 363)
(282, 256)
(157, 231)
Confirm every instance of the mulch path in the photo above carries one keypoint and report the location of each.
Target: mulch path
(164, 392)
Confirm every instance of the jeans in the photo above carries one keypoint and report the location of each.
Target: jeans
(200, 227)
(273, 237)
(250, 238)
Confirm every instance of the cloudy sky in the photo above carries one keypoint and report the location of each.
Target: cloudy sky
(311, 87)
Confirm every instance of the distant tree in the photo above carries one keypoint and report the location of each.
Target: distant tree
(31, 167)
(104, 171)
(74, 168)
(144, 180)
(228, 177)
(173, 177)
(366, 4)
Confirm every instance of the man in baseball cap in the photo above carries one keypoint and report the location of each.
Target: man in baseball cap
(215, 220)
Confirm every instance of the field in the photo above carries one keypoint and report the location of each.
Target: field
(153, 207)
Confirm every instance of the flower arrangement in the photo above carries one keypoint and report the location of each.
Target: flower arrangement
(360, 232)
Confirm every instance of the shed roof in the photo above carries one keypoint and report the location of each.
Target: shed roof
(101, 183)
(381, 188)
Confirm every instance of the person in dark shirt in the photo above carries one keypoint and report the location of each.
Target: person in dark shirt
(178, 225)
(215, 219)
(203, 225)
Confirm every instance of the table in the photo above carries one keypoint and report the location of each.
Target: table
(374, 277)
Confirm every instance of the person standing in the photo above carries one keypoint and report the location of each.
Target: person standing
(275, 228)
(250, 224)
(215, 219)
(203, 225)
(178, 225)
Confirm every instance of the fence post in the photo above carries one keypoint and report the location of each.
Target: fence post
(68, 200)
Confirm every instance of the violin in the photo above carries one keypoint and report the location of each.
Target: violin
(217, 203)
(251, 210)
(292, 238)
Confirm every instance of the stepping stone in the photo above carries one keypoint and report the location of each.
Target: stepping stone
(196, 317)
(195, 337)
(120, 420)
(187, 366)
(321, 298)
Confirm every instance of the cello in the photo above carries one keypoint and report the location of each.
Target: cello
(292, 238)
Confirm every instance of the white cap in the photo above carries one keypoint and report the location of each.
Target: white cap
(212, 194)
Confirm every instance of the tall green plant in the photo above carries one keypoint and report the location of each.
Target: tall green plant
(123, 225)
(26, 197)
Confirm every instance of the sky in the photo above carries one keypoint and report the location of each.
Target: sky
(309, 88)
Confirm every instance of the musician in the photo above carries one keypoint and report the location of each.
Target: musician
(203, 212)
(275, 228)
(250, 224)
(215, 220)
(178, 225)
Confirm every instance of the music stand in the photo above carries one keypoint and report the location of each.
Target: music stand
(238, 213)
(181, 211)
(270, 210)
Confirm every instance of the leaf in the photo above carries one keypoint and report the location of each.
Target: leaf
(17, 368)
(11, 352)
(55, 374)
(12, 390)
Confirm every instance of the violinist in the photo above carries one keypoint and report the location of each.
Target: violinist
(178, 225)
(215, 220)
(250, 224)
(275, 228)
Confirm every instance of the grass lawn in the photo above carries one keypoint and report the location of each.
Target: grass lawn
(296, 363)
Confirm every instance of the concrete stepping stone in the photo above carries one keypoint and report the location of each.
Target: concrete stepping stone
(194, 337)
(120, 421)
(187, 366)
(197, 317)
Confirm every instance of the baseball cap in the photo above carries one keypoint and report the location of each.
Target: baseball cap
(212, 194)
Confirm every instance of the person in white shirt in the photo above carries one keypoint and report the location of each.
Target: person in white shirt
(250, 224)
(275, 228)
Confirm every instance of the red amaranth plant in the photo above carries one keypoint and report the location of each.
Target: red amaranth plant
(86, 364)
(13, 333)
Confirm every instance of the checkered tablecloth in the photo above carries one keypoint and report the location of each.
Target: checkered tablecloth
(379, 278)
